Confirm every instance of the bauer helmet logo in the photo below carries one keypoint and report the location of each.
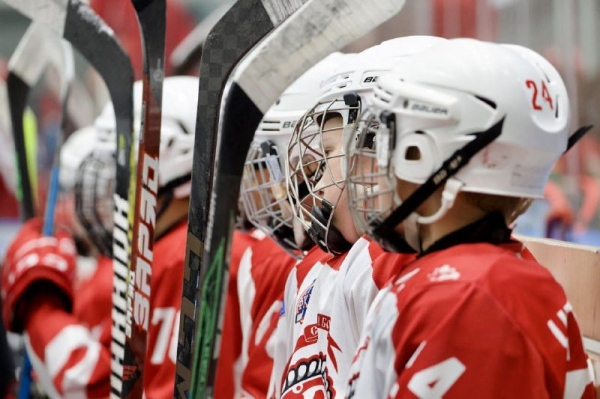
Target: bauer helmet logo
(289, 124)
(426, 108)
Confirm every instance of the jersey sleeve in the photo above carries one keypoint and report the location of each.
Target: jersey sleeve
(70, 352)
(453, 341)
(261, 286)
(165, 303)
(282, 338)
(369, 272)
(66, 356)
(230, 363)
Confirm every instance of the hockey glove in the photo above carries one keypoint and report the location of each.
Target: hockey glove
(36, 265)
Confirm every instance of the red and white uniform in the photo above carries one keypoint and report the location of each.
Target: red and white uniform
(261, 281)
(228, 377)
(283, 337)
(472, 320)
(326, 320)
(254, 303)
(71, 352)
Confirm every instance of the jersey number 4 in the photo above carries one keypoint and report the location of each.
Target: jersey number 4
(435, 381)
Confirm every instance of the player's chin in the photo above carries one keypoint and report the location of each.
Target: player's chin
(301, 237)
(345, 225)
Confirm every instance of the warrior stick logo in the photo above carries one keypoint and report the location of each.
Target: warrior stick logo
(120, 262)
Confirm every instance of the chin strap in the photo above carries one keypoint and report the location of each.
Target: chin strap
(412, 222)
(324, 233)
(461, 157)
(451, 190)
(284, 236)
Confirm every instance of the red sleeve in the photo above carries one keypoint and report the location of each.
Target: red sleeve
(455, 341)
(228, 374)
(165, 303)
(262, 283)
(67, 357)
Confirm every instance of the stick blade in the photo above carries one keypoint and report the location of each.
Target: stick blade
(317, 29)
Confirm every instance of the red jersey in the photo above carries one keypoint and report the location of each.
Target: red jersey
(263, 272)
(324, 322)
(228, 377)
(472, 320)
(71, 352)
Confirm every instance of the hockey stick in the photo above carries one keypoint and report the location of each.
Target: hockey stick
(318, 28)
(67, 67)
(151, 19)
(236, 33)
(23, 74)
(188, 53)
(96, 42)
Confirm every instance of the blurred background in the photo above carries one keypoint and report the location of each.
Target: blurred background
(564, 31)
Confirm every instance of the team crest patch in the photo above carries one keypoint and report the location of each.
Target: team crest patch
(444, 273)
(302, 303)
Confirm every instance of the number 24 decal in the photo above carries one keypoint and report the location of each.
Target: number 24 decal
(545, 95)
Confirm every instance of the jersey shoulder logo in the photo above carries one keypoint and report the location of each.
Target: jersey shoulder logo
(444, 273)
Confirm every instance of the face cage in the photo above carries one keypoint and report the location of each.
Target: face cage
(94, 202)
(371, 184)
(264, 195)
(311, 173)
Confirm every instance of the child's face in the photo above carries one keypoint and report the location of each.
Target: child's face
(332, 183)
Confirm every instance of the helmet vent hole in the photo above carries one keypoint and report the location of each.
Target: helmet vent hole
(405, 104)
(487, 101)
(182, 126)
(412, 153)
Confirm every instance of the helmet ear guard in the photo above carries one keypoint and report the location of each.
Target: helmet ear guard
(449, 168)
(415, 156)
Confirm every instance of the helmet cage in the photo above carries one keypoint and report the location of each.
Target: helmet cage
(371, 189)
(93, 200)
(309, 167)
(264, 197)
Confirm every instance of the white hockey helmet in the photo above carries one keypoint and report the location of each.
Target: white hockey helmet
(95, 186)
(75, 149)
(348, 90)
(179, 105)
(458, 96)
(263, 192)
(78, 146)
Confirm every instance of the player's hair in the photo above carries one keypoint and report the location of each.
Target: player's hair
(510, 207)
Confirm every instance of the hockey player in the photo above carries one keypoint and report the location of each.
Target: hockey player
(257, 285)
(71, 356)
(323, 317)
(470, 317)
